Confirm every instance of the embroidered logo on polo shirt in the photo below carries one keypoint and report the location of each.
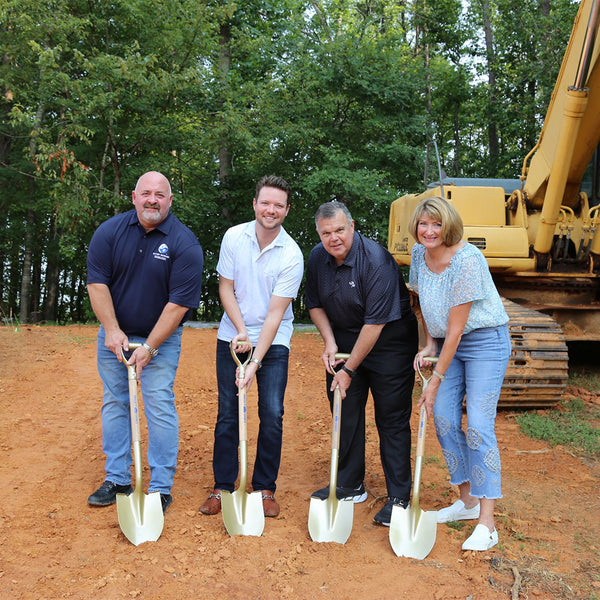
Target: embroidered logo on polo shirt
(162, 253)
(351, 284)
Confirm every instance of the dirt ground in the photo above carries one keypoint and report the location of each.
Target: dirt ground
(53, 545)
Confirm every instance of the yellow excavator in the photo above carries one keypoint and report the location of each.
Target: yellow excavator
(540, 233)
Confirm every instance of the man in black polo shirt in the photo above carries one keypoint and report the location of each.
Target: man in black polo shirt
(358, 300)
(144, 277)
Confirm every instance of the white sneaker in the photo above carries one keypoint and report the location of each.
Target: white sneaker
(457, 512)
(481, 539)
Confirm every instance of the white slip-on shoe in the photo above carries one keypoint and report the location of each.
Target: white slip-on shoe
(481, 539)
(457, 512)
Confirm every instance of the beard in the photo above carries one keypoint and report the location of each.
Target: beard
(152, 216)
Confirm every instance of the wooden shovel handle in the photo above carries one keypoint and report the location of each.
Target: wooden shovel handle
(242, 409)
(423, 416)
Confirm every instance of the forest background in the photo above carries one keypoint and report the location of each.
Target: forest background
(342, 98)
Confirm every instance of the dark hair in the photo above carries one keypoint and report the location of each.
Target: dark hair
(275, 182)
(328, 210)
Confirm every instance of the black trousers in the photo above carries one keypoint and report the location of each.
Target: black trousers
(387, 372)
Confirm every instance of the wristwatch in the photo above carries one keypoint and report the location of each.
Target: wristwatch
(153, 351)
(349, 371)
(258, 363)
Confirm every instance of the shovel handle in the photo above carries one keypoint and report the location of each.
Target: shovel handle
(425, 380)
(134, 414)
(132, 346)
(242, 410)
(340, 356)
(238, 362)
(335, 431)
(423, 416)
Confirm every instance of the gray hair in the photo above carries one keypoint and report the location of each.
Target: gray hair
(329, 210)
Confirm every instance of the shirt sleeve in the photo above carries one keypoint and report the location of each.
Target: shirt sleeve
(225, 264)
(382, 291)
(311, 291)
(290, 276)
(467, 280)
(185, 283)
(99, 263)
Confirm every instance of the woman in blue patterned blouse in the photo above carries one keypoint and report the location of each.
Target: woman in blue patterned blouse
(466, 328)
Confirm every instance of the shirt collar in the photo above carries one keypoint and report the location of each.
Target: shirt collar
(164, 226)
(250, 230)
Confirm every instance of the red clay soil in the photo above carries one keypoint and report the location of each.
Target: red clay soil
(53, 545)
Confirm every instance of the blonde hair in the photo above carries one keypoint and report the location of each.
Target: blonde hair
(441, 210)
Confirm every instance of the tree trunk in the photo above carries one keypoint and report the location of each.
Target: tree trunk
(52, 274)
(25, 295)
(493, 143)
(456, 162)
(225, 161)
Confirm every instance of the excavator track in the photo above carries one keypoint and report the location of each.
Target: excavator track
(537, 371)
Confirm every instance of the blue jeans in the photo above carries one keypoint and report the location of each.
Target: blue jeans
(157, 382)
(271, 380)
(477, 370)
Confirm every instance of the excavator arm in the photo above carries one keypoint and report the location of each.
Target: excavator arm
(571, 129)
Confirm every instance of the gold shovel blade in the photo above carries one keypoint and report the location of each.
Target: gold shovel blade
(412, 531)
(330, 520)
(140, 516)
(243, 513)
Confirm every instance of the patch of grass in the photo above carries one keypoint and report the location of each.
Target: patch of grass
(458, 525)
(572, 425)
(584, 380)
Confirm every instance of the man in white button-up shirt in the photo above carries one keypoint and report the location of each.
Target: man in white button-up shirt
(260, 269)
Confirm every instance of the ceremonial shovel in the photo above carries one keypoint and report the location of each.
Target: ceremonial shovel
(412, 530)
(140, 515)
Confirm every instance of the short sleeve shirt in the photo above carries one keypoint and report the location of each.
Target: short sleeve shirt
(146, 270)
(366, 288)
(466, 279)
(257, 274)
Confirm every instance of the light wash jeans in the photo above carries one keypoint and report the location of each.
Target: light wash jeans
(157, 382)
(477, 370)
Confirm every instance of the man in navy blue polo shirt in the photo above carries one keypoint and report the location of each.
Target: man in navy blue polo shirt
(144, 277)
(358, 300)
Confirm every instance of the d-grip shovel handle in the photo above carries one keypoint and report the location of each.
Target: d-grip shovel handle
(243, 416)
(423, 417)
(133, 408)
(337, 409)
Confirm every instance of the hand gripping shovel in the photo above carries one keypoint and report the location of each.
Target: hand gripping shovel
(412, 530)
(330, 520)
(140, 515)
(243, 513)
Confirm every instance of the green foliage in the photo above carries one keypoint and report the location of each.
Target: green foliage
(339, 97)
(574, 425)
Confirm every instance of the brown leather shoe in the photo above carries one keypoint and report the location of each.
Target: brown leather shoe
(270, 506)
(212, 505)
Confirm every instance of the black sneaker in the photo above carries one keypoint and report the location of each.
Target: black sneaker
(356, 495)
(106, 494)
(166, 501)
(384, 516)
